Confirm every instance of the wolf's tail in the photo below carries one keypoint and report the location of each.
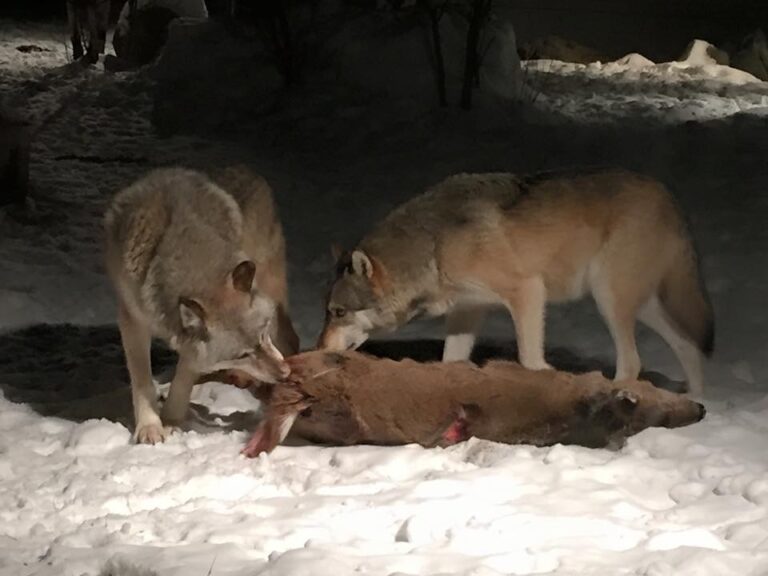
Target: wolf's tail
(684, 297)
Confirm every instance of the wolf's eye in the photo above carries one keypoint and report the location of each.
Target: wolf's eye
(338, 312)
(244, 355)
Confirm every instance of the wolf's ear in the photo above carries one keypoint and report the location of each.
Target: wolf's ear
(361, 264)
(192, 315)
(336, 251)
(242, 276)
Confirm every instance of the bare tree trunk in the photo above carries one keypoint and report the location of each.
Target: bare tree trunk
(289, 55)
(435, 14)
(480, 10)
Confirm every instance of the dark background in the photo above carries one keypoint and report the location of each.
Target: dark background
(657, 28)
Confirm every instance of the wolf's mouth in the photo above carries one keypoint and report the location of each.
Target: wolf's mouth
(355, 344)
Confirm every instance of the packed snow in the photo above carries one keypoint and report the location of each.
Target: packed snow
(78, 498)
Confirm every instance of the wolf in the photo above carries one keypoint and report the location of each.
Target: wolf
(198, 261)
(479, 240)
(91, 16)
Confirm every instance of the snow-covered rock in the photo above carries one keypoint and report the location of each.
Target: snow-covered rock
(635, 61)
(702, 53)
(501, 71)
(138, 38)
(181, 8)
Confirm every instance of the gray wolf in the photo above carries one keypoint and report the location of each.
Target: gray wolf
(479, 240)
(200, 262)
(88, 22)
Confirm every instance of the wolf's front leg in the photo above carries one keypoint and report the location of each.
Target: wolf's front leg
(175, 408)
(137, 339)
(461, 326)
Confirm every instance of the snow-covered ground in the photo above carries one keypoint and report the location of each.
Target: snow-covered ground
(76, 497)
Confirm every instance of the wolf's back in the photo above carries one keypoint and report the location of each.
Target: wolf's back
(170, 213)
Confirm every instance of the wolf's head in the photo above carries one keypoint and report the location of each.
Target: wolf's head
(356, 304)
(229, 329)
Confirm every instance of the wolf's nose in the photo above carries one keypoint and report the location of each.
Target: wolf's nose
(702, 411)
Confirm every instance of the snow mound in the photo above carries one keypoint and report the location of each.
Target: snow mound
(97, 436)
(635, 60)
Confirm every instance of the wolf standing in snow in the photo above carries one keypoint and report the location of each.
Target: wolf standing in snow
(91, 16)
(199, 262)
(476, 240)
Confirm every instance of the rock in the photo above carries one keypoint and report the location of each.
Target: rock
(753, 55)
(141, 42)
(15, 136)
(182, 8)
(206, 80)
(140, 37)
(701, 53)
(557, 48)
(501, 70)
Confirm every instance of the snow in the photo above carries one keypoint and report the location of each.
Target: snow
(679, 91)
(77, 497)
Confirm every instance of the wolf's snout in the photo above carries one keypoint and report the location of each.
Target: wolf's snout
(331, 339)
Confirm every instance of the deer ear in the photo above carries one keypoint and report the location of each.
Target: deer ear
(242, 276)
(192, 315)
(361, 264)
(336, 252)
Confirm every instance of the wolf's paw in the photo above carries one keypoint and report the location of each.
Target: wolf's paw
(152, 433)
(538, 365)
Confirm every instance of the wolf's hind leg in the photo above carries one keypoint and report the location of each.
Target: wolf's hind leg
(461, 326)
(619, 313)
(653, 316)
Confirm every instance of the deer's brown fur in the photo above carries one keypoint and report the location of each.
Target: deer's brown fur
(346, 398)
